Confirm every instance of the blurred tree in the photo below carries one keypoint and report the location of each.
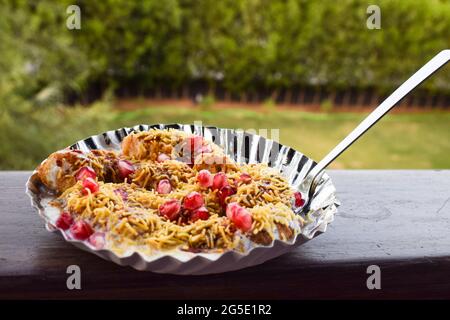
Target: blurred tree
(38, 54)
(130, 42)
(244, 45)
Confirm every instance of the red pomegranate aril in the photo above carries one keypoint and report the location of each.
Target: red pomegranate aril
(64, 221)
(299, 202)
(89, 186)
(240, 216)
(125, 168)
(232, 208)
(81, 230)
(244, 178)
(170, 209)
(164, 186)
(97, 240)
(243, 220)
(225, 192)
(193, 201)
(219, 181)
(162, 157)
(199, 214)
(205, 178)
(85, 172)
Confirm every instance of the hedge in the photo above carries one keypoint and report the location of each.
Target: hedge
(241, 44)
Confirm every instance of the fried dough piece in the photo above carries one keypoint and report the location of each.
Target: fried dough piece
(148, 145)
(285, 232)
(262, 237)
(215, 163)
(177, 145)
(58, 171)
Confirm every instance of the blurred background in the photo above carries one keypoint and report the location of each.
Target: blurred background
(312, 69)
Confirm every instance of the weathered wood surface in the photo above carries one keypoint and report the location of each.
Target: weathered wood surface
(398, 220)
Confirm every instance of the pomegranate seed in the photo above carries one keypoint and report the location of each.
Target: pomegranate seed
(199, 214)
(170, 209)
(244, 178)
(205, 178)
(85, 172)
(232, 208)
(243, 220)
(219, 181)
(164, 186)
(240, 216)
(299, 202)
(81, 230)
(162, 157)
(91, 185)
(225, 192)
(97, 239)
(125, 168)
(193, 201)
(122, 193)
(64, 221)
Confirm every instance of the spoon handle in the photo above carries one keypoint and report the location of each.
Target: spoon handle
(423, 73)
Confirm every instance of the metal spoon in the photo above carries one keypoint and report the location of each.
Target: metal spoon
(312, 179)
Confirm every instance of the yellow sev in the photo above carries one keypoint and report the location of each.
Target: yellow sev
(136, 221)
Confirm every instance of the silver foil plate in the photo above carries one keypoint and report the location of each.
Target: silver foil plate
(242, 147)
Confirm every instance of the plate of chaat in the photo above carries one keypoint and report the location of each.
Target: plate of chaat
(180, 199)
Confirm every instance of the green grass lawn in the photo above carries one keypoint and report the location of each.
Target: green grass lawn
(400, 141)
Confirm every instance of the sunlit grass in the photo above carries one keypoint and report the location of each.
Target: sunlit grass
(419, 141)
(397, 141)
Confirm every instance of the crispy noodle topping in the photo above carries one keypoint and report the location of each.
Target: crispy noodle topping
(167, 189)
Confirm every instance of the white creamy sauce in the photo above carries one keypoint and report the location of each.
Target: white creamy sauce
(52, 213)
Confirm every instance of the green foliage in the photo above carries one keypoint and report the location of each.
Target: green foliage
(28, 135)
(39, 58)
(138, 45)
(132, 42)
